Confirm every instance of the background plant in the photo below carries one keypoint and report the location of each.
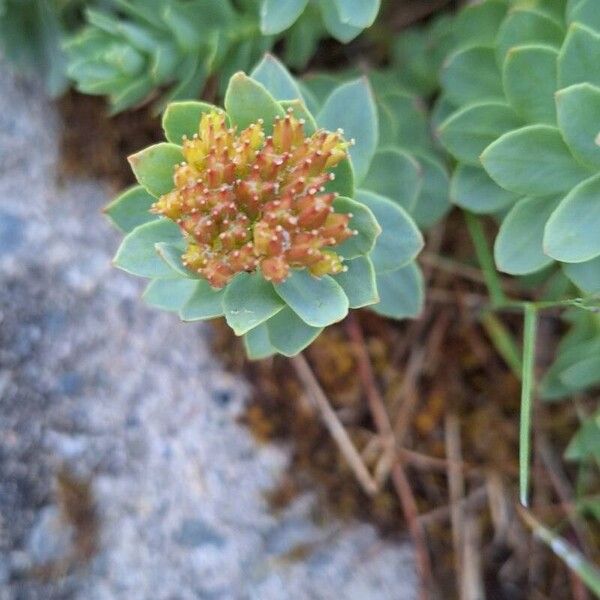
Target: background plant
(531, 92)
(132, 49)
(308, 21)
(32, 33)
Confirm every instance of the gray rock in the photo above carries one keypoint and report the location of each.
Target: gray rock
(50, 541)
(12, 232)
(132, 399)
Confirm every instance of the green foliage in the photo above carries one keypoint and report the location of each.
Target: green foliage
(342, 19)
(31, 36)
(130, 48)
(282, 317)
(525, 100)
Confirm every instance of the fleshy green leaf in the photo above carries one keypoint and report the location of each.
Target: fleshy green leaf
(578, 59)
(469, 131)
(183, 118)
(553, 386)
(586, 275)
(395, 175)
(249, 300)
(351, 107)
(257, 343)
(442, 109)
(517, 162)
(530, 81)
(320, 85)
(582, 375)
(410, 119)
(401, 293)
(246, 101)
(434, 200)
(586, 441)
(388, 128)
(131, 208)
(169, 294)
(477, 24)
(333, 23)
(276, 79)
(171, 254)
(473, 189)
(343, 183)
(400, 241)
(586, 12)
(277, 15)
(527, 26)
(358, 282)
(153, 167)
(289, 334)
(578, 109)
(204, 303)
(573, 231)
(518, 249)
(137, 253)
(472, 75)
(363, 221)
(317, 301)
(359, 13)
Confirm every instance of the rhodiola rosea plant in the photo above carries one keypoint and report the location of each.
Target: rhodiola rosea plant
(523, 97)
(130, 50)
(307, 21)
(254, 213)
(32, 33)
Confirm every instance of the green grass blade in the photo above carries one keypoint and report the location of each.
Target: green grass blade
(527, 391)
(587, 572)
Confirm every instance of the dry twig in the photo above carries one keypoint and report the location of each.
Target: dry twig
(399, 478)
(456, 486)
(335, 428)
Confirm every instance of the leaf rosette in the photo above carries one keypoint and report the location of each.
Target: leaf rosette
(129, 49)
(521, 95)
(251, 213)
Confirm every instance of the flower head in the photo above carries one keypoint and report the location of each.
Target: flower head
(246, 201)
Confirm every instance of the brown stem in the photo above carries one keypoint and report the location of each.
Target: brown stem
(399, 478)
(335, 428)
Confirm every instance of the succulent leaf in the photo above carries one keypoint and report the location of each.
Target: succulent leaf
(401, 293)
(400, 240)
(318, 301)
(396, 175)
(289, 334)
(351, 107)
(359, 282)
(257, 343)
(519, 246)
(131, 208)
(248, 301)
(205, 303)
(169, 294)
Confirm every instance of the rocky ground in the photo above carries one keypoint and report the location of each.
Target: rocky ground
(123, 471)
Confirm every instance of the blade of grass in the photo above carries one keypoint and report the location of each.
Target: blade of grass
(587, 572)
(485, 259)
(503, 342)
(527, 390)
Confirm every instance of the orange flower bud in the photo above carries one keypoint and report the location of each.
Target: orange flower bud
(248, 202)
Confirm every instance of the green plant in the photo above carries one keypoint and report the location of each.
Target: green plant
(305, 22)
(522, 109)
(129, 49)
(31, 36)
(256, 229)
